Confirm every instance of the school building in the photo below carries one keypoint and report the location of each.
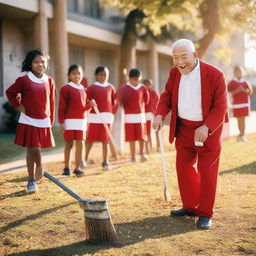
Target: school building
(82, 32)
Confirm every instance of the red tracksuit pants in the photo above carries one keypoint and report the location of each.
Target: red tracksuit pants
(197, 185)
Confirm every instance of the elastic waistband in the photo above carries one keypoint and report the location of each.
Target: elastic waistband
(189, 123)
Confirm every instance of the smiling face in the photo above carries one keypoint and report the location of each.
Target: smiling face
(39, 65)
(184, 59)
(102, 76)
(76, 76)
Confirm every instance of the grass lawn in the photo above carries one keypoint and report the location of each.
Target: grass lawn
(10, 151)
(50, 222)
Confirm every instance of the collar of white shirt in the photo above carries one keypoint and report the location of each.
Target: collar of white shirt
(134, 87)
(76, 86)
(35, 79)
(105, 84)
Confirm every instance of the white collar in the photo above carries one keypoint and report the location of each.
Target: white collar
(239, 81)
(192, 75)
(33, 78)
(134, 87)
(102, 85)
(76, 86)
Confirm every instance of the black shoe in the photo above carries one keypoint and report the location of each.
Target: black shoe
(66, 172)
(181, 212)
(204, 223)
(106, 166)
(78, 172)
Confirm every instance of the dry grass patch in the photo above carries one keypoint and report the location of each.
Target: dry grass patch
(50, 222)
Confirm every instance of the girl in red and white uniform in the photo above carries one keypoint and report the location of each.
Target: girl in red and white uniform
(34, 96)
(104, 95)
(240, 91)
(133, 96)
(73, 104)
(150, 110)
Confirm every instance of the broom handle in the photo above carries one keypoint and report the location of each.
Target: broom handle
(166, 190)
(60, 184)
(107, 129)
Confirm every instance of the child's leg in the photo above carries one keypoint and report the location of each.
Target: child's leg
(148, 144)
(38, 161)
(88, 147)
(143, 156)
(105, 151)
(112, 149)
(132, 150)
(241, 125)
(78, 155)
(141, 143)
(30, 163)
(67, 150)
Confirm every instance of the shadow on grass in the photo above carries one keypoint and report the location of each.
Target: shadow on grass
(244, 169)
(13, 168)
(32, 217)
(129, 233)
(20, 179)
(15, 194)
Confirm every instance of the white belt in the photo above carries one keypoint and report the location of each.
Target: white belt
(75, 124)
(242, 105)
(105, 117)
(41, 123)
(135, 118)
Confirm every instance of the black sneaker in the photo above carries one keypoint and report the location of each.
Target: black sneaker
(106, 166)
(78, 172)
(66, 172)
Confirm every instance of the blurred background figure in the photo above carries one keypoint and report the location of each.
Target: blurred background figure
(240, 91)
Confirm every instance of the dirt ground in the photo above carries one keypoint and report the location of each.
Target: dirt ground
(50, 222)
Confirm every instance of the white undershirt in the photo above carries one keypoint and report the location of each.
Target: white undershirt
(189, 101)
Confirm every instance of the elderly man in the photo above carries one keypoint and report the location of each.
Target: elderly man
(196, 94)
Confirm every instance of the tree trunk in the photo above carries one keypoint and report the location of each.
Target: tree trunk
(128, 45)
(211, 23)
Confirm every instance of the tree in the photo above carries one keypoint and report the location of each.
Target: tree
(202, 20)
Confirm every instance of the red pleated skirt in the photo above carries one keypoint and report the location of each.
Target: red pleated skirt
(96, 132)
(239, 112)
(74, 135)
(31, 136)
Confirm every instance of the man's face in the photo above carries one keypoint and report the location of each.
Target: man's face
(134, 80)
(184, 59)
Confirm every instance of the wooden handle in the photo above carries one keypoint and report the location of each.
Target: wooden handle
(166, 190)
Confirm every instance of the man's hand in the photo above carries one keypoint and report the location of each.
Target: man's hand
(158, 122)
(201, 133)
(21, 108)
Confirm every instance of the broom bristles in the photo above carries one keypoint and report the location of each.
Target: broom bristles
(100, 231)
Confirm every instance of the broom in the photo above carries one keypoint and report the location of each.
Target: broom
(99, 228)
(167, 195)
(107, 129)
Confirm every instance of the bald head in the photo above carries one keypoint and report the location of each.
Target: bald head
(185, 43)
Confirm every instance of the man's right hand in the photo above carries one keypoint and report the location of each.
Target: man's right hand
(158, 122)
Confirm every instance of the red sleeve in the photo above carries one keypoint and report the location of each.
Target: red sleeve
(114, 101)
(219, 107)
(146, 95)
(164, 103)
(52, 98)
(88, 103)
(249, 87)
(231, 86)
(13, 91)
(63, 103)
